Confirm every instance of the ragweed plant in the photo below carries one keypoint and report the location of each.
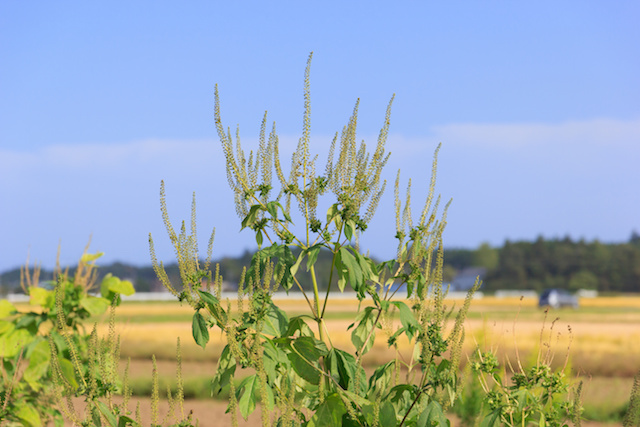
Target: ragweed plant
(301, 377)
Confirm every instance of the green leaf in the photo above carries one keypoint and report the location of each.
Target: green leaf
(225, 371)
(38, 364)
(272, 207)
(275, 322)
(6, 309)
(213, 304)
(363, 335)
(294, 268)
(29, 415)
(94, 305)
(14, 341)
(380, 380)
(387, 415)
(123, 287)
(433, 415)
(208, 298)
(304, 356)
(106, 284)
(344, 368)
(298, 324)
(348, 229)
(312, 255)
(332, 212)
(113, 285)
(41, 297)
(492, 419)
(106, 413)
(329, 413)
(86, 258)
(352, 268)
(251, 217)
(407, 318)
(259, 238)
(68, 372)
(6, 327)
(199, 330)
(246, 395)
(125, 421)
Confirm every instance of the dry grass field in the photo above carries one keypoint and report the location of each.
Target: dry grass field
(601, 340)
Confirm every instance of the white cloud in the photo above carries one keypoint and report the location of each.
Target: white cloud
(596, 132)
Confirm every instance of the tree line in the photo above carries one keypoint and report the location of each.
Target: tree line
(543, 263)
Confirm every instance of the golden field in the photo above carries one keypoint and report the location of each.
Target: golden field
(602, 338)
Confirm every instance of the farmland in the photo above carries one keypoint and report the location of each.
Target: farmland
(600, 342)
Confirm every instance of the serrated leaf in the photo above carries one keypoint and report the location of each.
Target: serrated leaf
(344, 368)
(433, 415)
(363, 336)
(208, 298)
(6, 309)
(407, 318)
(94, 305)
(275, 322)
(251, 217)
(224, 373)
(312, 255)
(298, 324)
(199, 330)
(246, 395)
(304, 356)
(380, 380)
(332, 212)
(213, 304)
(492, 419)
(348, 229)
(352, 268)
(329, 413)
(272, 207)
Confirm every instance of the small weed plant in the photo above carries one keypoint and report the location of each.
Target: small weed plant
(49, 340)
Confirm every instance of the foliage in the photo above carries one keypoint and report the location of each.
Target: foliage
(301, 377)
(34, 338)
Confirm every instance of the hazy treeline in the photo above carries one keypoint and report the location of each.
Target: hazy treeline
(544, 263)
(555, 263)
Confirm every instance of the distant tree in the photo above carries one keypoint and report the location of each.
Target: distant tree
(486, 256)
(583, 279)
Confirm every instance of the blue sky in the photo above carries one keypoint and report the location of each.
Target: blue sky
(536, 105)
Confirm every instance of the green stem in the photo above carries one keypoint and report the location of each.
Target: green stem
(316, 298)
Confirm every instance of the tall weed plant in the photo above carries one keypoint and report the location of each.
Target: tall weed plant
(294, 370)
